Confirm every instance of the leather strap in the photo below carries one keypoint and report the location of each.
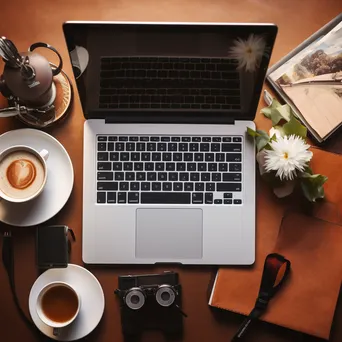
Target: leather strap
(276, 270)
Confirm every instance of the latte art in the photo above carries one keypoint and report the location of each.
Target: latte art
(21, 174)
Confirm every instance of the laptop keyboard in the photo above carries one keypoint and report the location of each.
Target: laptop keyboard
(162, 82)
(169, 169)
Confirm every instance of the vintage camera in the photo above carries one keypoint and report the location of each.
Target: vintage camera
(150, 301)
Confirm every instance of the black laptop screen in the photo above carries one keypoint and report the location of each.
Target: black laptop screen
(212, 70)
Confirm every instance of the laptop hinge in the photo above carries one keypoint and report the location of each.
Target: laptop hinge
(143, 118)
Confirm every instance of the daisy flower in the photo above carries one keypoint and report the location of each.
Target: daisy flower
(248, 52)
(288, 155)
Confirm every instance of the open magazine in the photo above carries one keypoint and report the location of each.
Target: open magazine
(310, 80)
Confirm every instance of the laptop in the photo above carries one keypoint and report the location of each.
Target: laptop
(168, 169)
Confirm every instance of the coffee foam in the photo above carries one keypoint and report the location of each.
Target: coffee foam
(21, 174)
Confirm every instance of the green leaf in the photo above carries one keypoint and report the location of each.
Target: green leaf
(280, 130)
(295, 127)
(267, 112)
(312, 185)
(277, 112)
(285, 112)
(262, 140)
(251, 132)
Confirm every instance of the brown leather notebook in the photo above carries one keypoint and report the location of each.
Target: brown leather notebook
(307, 302)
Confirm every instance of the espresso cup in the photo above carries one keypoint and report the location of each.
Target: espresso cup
(23, 173)
(58, 305)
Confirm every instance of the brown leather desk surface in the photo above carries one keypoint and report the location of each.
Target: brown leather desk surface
(26, 22)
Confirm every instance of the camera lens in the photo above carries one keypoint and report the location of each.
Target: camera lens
(135, 298)
(165, 295)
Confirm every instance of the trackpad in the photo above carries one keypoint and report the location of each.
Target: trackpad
(169, 233)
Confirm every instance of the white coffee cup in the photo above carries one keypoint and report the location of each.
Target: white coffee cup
(42, 156)
(46, 309)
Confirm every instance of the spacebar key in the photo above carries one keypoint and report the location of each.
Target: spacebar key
(165, 198)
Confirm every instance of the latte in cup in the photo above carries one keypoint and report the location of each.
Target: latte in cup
(22, 174)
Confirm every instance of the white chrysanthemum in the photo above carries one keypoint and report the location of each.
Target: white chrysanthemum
(288, 155)
(248, 52)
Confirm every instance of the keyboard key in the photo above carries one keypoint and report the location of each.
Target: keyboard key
(111, 197)
(119, 176)
(196, 139)
(183, 147)
(112, 138)
(133, 138)
(210, 187)
(130, 176)
(237, 201)
(134, 186)
(154, 139)
(194, 147)
(151, 147)
(215, 147)
(138, 166)
(167, 156)
(180, 166)
(104, 166)
(188, 186)
(165, 198)
(105, 176)
(227, 195)
(117, 166)
(177, 186)
(208, 198)
(119, 146)
(220, 157)
(216, 139)
(130, 146)
(183, 176)
(144, 138)
(202, 167)
(186, 139)
(133, 197)
(209, 157)
(145, 186)
(188, 157)
(128, 166)
(122, 197)
(124, 186)
(165, 139)
(199, 186)
(162, 176)
(177, 157)
(160, 166)
(102, 156)
(198, 156)
(172, 147)
(149, 166)
(175, 139)
(204, 147)
(146, 156)
(234, 167)
(231, 147)
(110, 146)
(124, 156)
(156, 156)
(233, 157)
(218, 201)
(107, 186)
(141, 146)
(101, 197)
(212, 167)
(170, 166)
(206, 139)
(205, 177)
(216, 177)
(135, 156)
(237, 139)
(194, 177)
(151, 176)
(167, 186)
(173, 176)
(101, 146)
(114, 156)
(227, 201)
(123, 138)
(101, 138)
(228, 186)
(161, 147)
(227, 139)
(223, 167)
(232, 177)
(191, 166)
(141, 176)
(197, 198)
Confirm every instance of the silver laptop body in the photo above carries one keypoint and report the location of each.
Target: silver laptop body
(168, 170)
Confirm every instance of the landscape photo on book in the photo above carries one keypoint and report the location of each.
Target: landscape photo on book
(312, 80)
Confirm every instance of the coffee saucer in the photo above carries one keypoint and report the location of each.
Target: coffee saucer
(91, 295)
(59, 183)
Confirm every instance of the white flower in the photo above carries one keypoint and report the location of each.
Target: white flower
(273, 131)
(288, 155)
(248, 52)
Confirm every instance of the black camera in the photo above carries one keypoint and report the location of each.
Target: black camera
(150, 301)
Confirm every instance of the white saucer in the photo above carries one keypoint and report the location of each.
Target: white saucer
(92, 301)
(59, 183)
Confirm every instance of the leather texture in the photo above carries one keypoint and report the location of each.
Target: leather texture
(37, 20)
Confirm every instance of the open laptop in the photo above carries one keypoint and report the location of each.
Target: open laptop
(169, 172)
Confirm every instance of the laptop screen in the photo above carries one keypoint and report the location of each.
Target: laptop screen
(211, 69)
